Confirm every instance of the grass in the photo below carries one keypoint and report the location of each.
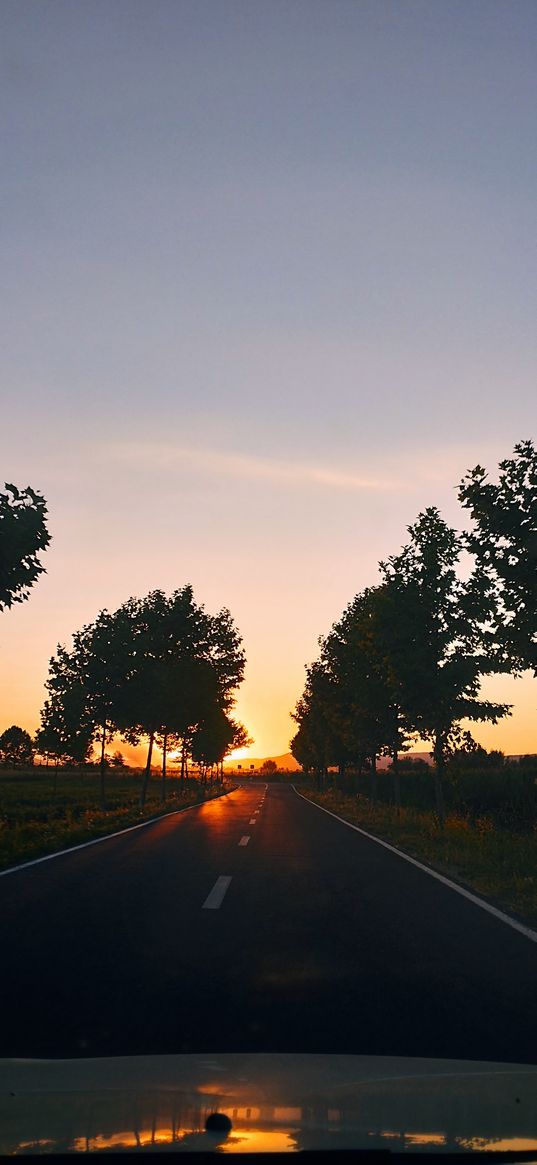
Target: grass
(500, 865)
(37, 819)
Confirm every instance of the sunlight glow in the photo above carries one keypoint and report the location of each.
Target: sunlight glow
(238, 754)
(259, 1141)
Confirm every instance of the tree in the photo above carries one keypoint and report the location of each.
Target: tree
(215, 737)
(186, 667)
(101, 660)
(445, 645)
(23, 534)
(389, 647)
(355, 655)
(504, 541)
(81, 685)
(350, 710)
(319, 741)
(156, 666)
(268, 767)
(65, 732)
(16, 748)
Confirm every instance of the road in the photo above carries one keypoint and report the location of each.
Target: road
(307, 937)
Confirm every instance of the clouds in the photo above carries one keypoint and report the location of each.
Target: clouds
(171, 458)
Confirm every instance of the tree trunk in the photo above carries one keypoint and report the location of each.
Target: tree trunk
(438, 753)
(183, 759)
(147, 772)
(374, 788)
(164, 750)
(101, 767)
(396, 781)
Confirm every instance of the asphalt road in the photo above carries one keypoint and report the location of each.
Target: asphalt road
(313, 939)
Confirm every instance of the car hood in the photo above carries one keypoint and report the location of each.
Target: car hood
(275, 1103)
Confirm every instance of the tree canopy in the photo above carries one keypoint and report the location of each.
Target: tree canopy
(23, 535)
(406, 657)
(16, 748)
(504, 541)
(158, 667)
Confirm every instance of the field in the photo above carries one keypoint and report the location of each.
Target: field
(41, 812)
(499, 864)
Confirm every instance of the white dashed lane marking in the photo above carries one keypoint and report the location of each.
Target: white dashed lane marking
(244, 840)
(217, 895)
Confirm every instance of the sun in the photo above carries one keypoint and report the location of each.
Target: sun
(238, 754)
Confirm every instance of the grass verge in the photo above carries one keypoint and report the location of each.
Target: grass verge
(37, 818)
(499, 865)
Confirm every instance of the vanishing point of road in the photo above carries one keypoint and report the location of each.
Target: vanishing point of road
(256, 923)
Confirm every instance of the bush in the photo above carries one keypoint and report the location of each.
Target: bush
(507, 795)
(504, 792)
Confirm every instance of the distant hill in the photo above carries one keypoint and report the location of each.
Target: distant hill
(384, 761)
(287, 761)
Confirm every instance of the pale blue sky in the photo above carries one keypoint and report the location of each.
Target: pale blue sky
(270, 282)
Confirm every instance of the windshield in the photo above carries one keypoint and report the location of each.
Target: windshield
(268, 571)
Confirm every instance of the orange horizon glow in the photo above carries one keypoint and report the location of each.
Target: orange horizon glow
(29, 634)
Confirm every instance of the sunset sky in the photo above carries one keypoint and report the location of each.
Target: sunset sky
(270, 289)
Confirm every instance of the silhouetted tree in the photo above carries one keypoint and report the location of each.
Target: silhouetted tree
(23, 534)
(215, 737)
(355, 656)
(445, 646)
(504, 541)
(350, 711)
(103, 657)
(157, 666)
(320, 715)
(16, 748)
(241, 736)
(187, 665)
(65, 732)
(83, 685)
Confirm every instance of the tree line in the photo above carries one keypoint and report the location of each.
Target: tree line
(407, 657)
(159, 668)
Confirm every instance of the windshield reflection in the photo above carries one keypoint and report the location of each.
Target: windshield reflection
(274, 1103)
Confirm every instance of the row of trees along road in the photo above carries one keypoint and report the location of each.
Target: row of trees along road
(159, 668)
(407, 657)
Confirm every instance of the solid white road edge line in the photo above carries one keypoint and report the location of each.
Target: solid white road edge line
(214, 900)
(512, 922)
(108, 836)
(244, 840)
